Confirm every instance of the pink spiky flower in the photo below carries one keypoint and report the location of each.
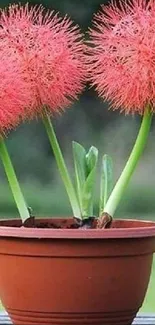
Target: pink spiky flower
(122, 54)
(14, 93)
(51, 52)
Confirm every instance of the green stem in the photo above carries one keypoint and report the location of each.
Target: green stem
(123, 181)
(13, 182)
(61, 165)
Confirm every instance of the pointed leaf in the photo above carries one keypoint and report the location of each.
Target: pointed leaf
(91, 158)
(88, 190)
(79, 155)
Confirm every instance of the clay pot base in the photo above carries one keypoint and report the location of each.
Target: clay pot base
(31, 318)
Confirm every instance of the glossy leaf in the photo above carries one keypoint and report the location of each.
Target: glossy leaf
(88, 190)
(79, 154)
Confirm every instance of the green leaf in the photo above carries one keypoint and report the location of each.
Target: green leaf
(79, 154)
(91, 158)
(88, 190)
(106, 181)
(85, 171)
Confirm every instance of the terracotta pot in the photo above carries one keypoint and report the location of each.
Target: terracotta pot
(63, 276)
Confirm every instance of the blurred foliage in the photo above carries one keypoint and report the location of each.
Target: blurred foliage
(148, 306)
(80, 11)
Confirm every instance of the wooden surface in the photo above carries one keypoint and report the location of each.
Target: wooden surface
(142, 319)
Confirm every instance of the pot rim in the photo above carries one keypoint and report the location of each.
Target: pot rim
(145, 229)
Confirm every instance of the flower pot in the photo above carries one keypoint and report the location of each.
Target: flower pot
(78, 276)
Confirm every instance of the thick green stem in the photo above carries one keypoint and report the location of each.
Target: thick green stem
(123, 181)
(62, 166)
(13, 182)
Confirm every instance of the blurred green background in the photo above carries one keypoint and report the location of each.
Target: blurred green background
(89, 122)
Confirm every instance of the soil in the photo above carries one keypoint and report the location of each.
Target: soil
(74, 223)
(60, 223)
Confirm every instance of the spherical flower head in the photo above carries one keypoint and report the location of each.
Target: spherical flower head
(51, 52)
(122, 55)
(14, 93)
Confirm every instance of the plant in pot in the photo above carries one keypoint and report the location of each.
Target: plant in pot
(86, 269)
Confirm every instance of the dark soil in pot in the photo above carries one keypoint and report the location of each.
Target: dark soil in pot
(53, 223)
(75, 276)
